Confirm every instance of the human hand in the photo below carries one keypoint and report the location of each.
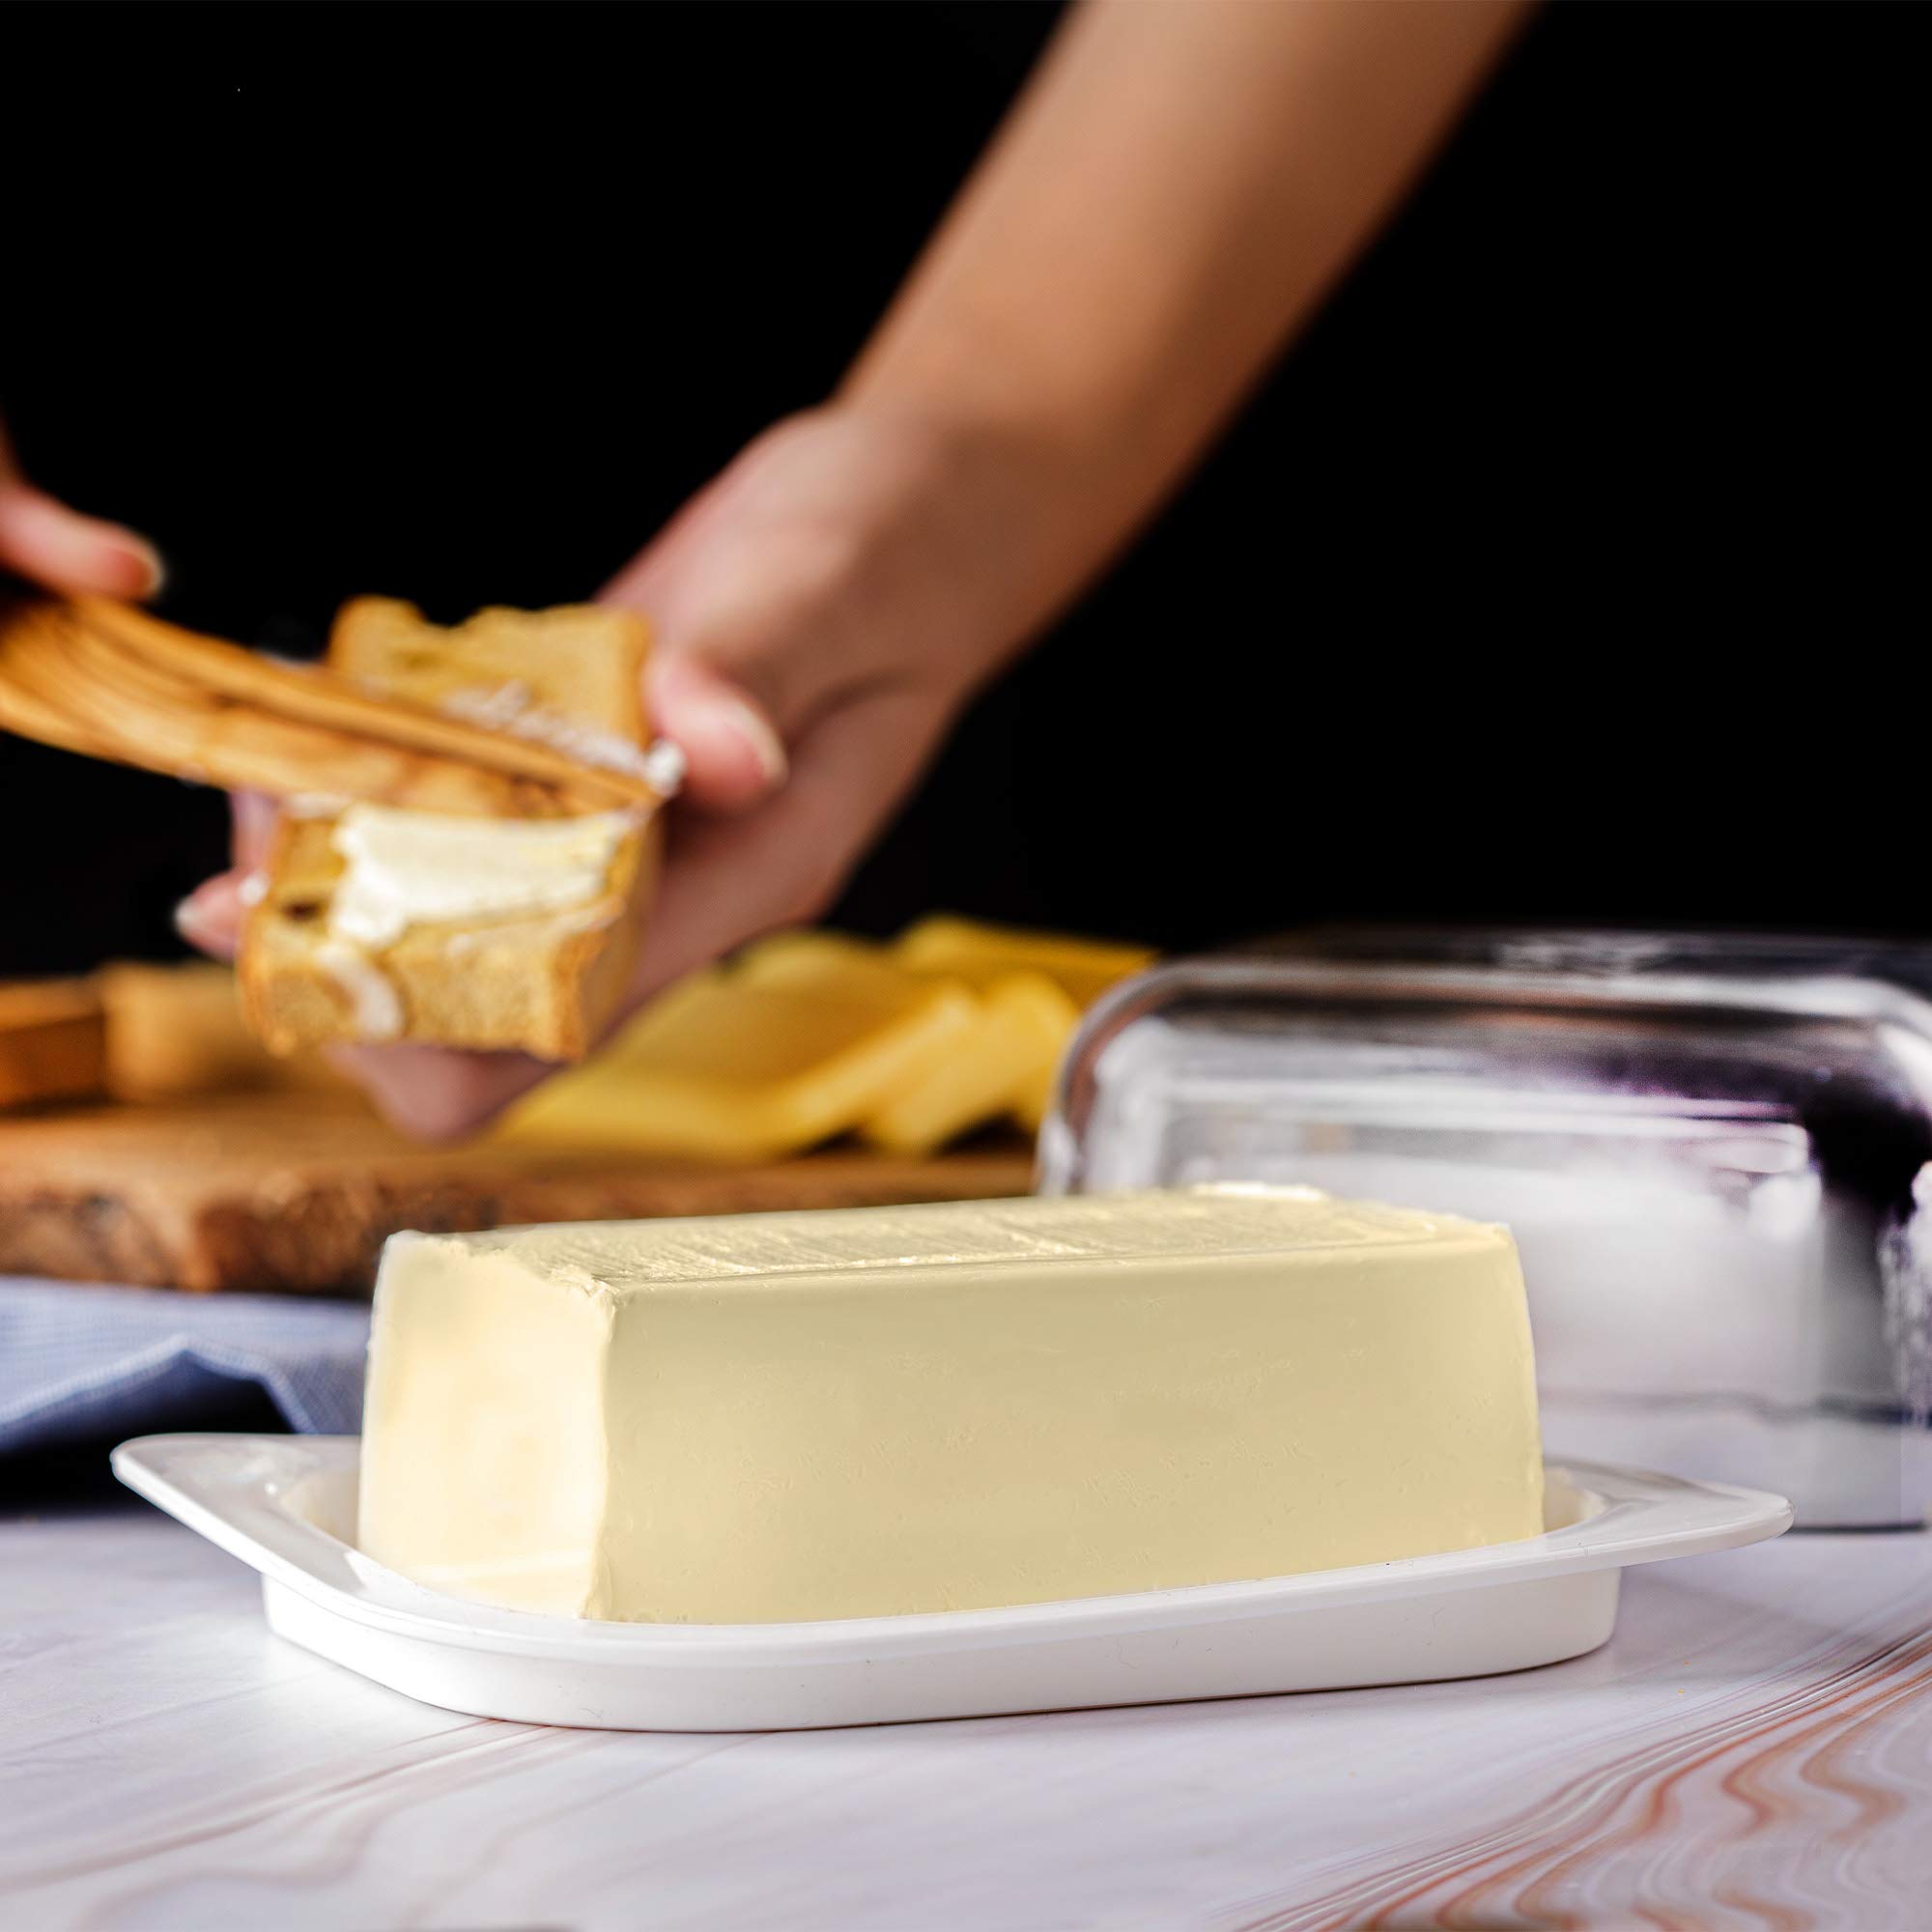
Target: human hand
(59, 549)
(822, 610)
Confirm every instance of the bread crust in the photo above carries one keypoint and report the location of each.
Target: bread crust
(543, 983)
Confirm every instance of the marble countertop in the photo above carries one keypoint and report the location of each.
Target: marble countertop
(1753, 1749)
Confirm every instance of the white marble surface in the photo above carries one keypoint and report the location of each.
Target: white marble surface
(1752, 1749)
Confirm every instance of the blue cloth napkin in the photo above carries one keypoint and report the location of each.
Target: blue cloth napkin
(81, 1364)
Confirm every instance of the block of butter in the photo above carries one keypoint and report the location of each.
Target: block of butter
(764, 1418)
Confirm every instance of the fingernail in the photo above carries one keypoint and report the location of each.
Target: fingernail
(146, 558)
(136, 570)
(751, 725)
(191, 922)
(60, 546)
(253, 888)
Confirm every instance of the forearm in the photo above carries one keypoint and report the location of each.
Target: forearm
(1179, 187)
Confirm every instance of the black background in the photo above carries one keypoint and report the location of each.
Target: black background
(1570, 569)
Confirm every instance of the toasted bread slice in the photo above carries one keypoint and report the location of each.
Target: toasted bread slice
(571, 674)
(541, 977)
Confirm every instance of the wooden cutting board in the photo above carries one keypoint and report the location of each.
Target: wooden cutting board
(297, 1192)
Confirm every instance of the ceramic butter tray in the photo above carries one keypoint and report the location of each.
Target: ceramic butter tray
(286, 1506)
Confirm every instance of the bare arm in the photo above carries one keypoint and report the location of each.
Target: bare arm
(1180, 186)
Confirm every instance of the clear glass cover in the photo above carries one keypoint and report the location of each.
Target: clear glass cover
(1713, 1154)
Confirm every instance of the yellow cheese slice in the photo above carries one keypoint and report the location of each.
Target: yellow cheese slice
(1083, 968)
(809, 1034)
(1020, 1029)
(724, 1068)
(1006, 1065)
(825, 962)
(1033, 1098)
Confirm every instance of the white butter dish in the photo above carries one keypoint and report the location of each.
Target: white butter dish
(286, 1505)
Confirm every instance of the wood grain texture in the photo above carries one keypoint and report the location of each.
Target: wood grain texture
(1752, 1749)
(297, 1191)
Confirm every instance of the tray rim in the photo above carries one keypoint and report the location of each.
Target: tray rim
(204, 1481)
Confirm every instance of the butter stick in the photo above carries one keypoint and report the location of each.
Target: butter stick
(774, 1417)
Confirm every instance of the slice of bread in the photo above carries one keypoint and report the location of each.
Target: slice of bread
(542, 982)
(572, 675)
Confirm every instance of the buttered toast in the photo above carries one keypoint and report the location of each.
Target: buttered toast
(376, 924)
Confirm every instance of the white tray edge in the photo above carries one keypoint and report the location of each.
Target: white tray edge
(230, 1489)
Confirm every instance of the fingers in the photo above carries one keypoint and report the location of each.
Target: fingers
(697, 694)
(733, 754)
(728, 880)
(784, 589)
(47, 542)
(209, 918)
